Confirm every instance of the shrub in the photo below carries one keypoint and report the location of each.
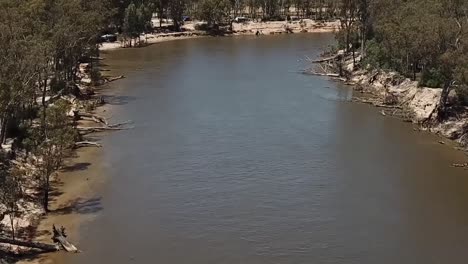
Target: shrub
(462, 93)
(432, 78)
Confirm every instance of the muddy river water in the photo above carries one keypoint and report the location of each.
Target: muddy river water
(235, 158)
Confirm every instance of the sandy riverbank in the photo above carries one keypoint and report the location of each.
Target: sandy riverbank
(247, 28)
(76, 199)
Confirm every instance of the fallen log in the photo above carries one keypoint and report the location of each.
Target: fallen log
(111, 79)
(60, 238)
(98, 129)
(120, 124)
(322, 74)
(460, 165)
(116, 126)
(327, 59)
(87, 144)
(30, 244)
(93, 117)
(376, 102)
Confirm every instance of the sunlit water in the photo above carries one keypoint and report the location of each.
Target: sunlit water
(237, 158)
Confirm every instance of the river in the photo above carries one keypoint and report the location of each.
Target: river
(237, 158)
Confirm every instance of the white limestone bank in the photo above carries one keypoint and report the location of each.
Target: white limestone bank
(420, 103)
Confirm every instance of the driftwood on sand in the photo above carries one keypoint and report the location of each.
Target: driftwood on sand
(87, 144)
(59, 238)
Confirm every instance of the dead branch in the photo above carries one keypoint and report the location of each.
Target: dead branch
(30, 244)
(98, 129)
(111, 79)
(93, 117)
(120, 124)
(117, 126)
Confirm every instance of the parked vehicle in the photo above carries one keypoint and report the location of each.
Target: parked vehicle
(240, 19)
(109, 38)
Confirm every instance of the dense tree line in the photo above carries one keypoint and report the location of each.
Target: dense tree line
(42, 43)
(426, 40)
(219, 11)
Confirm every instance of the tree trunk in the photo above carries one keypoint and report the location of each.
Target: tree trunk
(42, 246)
(4, 123)
(354, 57)
(363, 42)
(46, 194)
(441, 112)
(12, 222)
(44, 106)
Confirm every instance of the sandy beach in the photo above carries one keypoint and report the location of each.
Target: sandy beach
(77, 196)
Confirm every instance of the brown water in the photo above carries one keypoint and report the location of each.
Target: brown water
(237, 158)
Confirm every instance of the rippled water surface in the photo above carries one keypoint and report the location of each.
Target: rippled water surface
(237, 158)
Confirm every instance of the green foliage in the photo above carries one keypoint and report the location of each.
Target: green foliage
(213, 11)
(131, 26)
(462, 93)
(376, 56)
(56, 138)
(433, 78)
(137, 20)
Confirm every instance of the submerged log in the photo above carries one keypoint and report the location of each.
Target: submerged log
(111, 79)
(30, 244)
(460, 165)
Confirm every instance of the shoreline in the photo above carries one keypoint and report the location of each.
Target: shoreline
(239, 29)
(398, 96)
(78, 186)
